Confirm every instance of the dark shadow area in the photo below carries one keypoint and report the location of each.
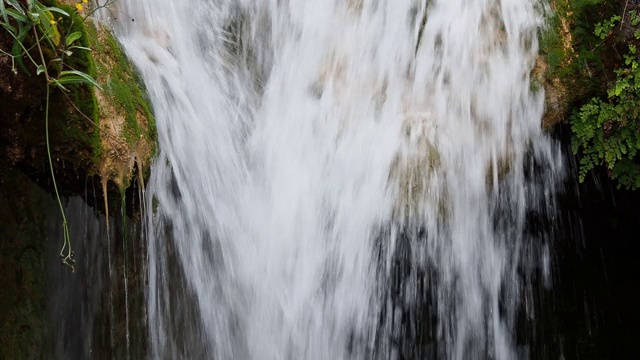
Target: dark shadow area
(46, 310)
(593, 309)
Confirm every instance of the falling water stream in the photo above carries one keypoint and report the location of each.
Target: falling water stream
(342, 178)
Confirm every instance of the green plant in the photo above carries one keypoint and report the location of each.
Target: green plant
(40, 37)
(607, 132)
(573, 52)
(603, 29)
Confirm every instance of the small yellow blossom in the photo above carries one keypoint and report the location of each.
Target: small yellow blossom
(79, 7)
(52, 22)
(85, 1)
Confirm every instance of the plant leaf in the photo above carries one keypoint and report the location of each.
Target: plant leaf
(17, 51)
(80, 47)
(73, 37)
(40, 69)
(58, 84)
(15, 5)
(18, 16)
(75, 77)
(58, 10)
(3, 12)
(51, 32)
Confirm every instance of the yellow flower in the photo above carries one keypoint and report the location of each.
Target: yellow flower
(52, 22)
(85, 1)
(79, 7)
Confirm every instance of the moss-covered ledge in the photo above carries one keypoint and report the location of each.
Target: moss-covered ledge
(103, 136)
(126, 123)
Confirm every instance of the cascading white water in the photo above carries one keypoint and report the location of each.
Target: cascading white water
(326, 166)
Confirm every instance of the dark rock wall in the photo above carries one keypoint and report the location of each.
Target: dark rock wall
(22, 271)
(593, 304)
(48, 312)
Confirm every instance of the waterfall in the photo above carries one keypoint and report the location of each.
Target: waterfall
(342, 178)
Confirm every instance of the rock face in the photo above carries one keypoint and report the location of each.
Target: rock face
(557, 98)
(126, 123)
(22, 284)
(94, 134)
(574, 64)
(101, 142)
(557, 45)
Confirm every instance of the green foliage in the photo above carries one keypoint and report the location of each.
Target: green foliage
(81, 94)
(603, 29)
(570, 46)
(37, 20)
(49, 50)
(607, 132)
(125, 91)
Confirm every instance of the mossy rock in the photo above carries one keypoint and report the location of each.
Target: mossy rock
(127, 125)
(573, 64)
(104, 135)
(96, 136)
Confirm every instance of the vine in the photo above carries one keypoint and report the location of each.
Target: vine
(39, 37)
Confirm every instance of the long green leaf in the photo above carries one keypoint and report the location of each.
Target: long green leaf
(58, 10)
(80, 47)
(15, 5)
(3, 12)
(73, 37)
(17, 50)
(74, 77)
(18, 16)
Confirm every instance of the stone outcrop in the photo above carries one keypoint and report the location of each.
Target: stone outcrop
(105, 135)
(102, 141)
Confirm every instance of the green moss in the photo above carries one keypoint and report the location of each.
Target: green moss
(123, 86)
(77, 132)
(578, 64)
(600, 67)
(74, 129)
(551, 38)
